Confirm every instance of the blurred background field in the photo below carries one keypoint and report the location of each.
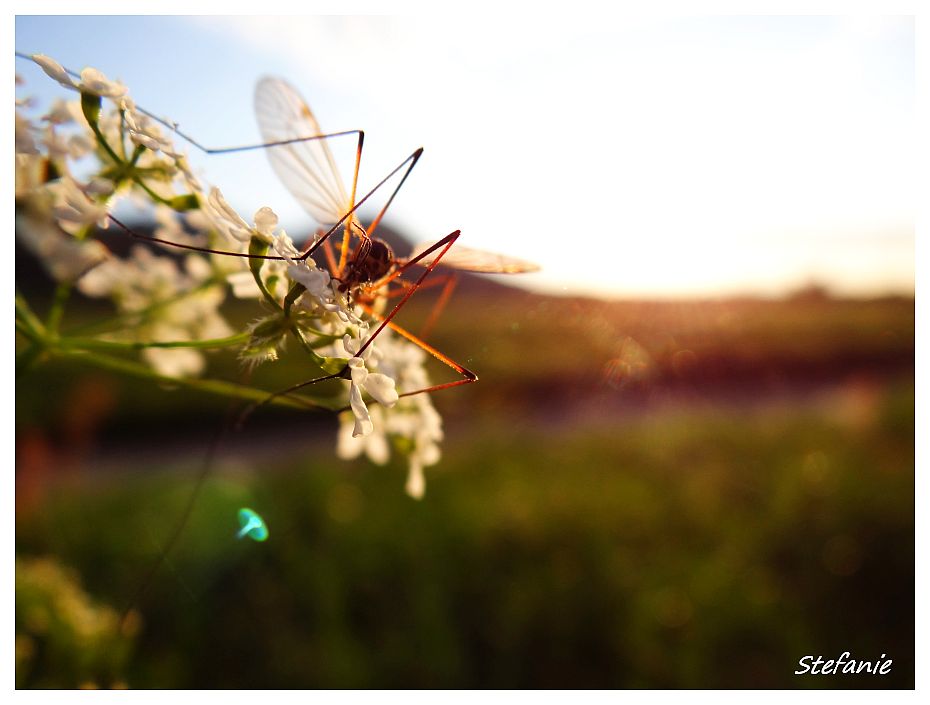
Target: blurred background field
(636, 494)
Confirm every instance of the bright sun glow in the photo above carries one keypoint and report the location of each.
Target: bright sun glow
(663, 158)
(691, 156)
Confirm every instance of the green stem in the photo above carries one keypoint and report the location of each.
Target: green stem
(259, 247)
(136, 317)
(102, 142)
(137, 152)
(96, 344)
(321, 339)
(24, 315)
(28, 332)
(303, 342)
(53, 320)
(27, 359)
(154, 196)
(122, 132)
(106, 146)
(292, 296)
(211, 386)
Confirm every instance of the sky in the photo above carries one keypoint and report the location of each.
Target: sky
(667, 157)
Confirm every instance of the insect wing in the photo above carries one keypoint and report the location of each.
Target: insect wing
(307, 168)
(471, 260)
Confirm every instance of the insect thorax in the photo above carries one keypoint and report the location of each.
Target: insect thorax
(372, 260)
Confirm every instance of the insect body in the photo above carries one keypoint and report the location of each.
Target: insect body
(371, 261)
(308, 170)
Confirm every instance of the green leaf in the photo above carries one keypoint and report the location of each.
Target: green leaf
(328, 365)
(331, 365)
(271, 328)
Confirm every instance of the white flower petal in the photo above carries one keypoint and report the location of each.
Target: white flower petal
(63, 257)
(377, 448)
(144, 140)
(55, 70)
(179, 362)
(351, 344)
(315, 281)
(80, 145)
(265, 220)
(363, 425)
(62, 112)
(93, 81)
(73, 206)
(416, 483)
(284, 246)
(225, 218)
(381, 388)
(429, 454)
(359, 372)
(100, 186)
(348, 446)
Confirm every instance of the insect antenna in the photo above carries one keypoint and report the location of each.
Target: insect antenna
(443, 245)
(386, 321)
(448, 286)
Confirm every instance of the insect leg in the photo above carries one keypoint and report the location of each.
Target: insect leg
(252, 408)
(412, 159)
(173, 126)
(344, 251)
(467, 375)
(409, 162)
(330, 258)
(447, 289)
(447, 281)
(374, 223)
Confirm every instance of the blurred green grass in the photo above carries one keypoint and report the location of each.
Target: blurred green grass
(687, 550)
(637, 494)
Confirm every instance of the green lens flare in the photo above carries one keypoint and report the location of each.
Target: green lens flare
(251, 525)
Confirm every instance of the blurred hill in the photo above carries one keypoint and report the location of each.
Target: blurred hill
(549, 355)
(32, 279)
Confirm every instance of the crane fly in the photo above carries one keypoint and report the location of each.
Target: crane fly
(300, 154)
(308, 170)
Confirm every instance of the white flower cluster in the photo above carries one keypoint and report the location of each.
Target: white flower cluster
(163, 302)
(46, 150)
(56, 217)
(378, 370)
(411, 421)
(48, 146)
(160, 300)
